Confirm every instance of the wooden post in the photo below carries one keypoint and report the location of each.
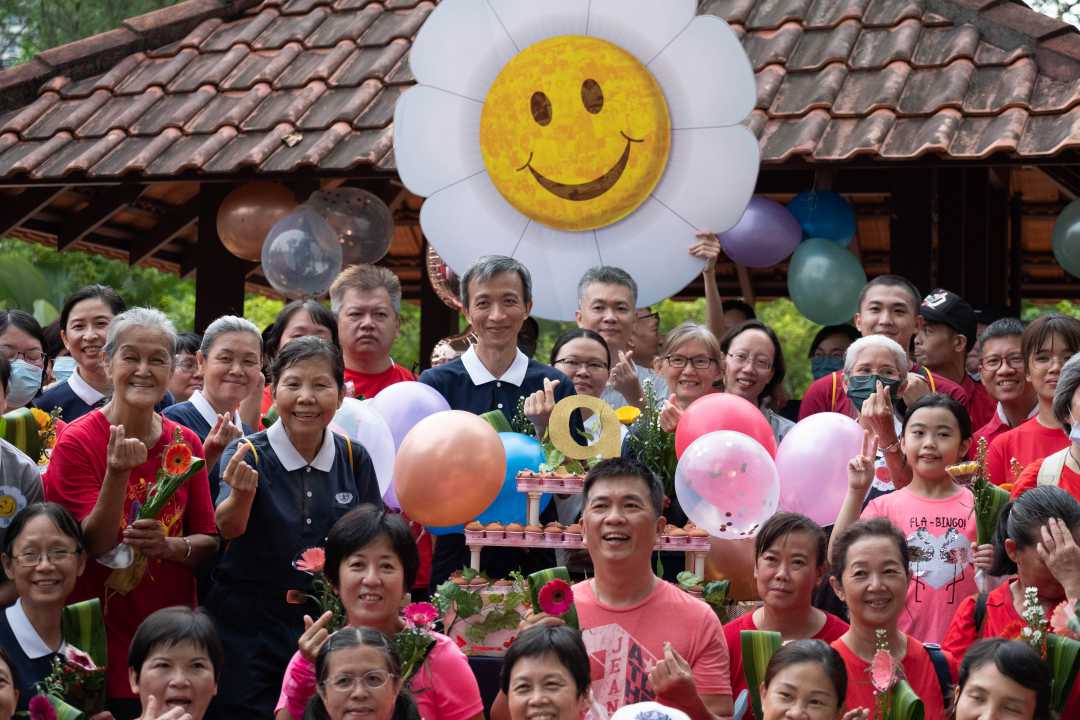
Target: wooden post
(911, 226)
(973, 233)
(436, 319)
(220, 275)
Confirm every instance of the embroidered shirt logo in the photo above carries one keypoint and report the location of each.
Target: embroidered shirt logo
(343, 498)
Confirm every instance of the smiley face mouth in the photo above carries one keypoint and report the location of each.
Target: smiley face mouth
(590, 190)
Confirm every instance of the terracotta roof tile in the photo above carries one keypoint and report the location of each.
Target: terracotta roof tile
(211, 87)
(818, 48)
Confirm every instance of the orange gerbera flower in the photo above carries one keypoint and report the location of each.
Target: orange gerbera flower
(177, 459)
(42, 418)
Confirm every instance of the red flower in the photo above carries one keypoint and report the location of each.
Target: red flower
(882, 671)
(295, 597)
(420, 614)
(177, 459)
(78, 659)
(1059, 620)
(311, 561)
(41, 708)
(555, 597)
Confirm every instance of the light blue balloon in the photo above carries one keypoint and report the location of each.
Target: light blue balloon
(1066, 238)
(824, 281)
(824, 214)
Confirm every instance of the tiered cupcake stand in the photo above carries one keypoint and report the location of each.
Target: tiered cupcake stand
(691, 541)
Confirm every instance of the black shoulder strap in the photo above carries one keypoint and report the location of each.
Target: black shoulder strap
(941, 669)
(980, 612)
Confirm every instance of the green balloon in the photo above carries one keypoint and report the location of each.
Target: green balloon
(824, 281)
(1066, 238)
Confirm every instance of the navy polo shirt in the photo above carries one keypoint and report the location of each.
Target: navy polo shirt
(72, 406)
(294, 508)
(195, 414)
(468, 385)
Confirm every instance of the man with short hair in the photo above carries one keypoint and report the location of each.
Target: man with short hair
(367, 302)
(493, 374)
(947, 331)
(888, 305)
(645, 340)
(1003, 375)
(607, 302)
(648, 639)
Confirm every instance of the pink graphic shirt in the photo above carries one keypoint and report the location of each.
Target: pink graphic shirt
(625, 644)
(939, 534)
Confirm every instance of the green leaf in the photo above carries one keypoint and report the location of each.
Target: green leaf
(1063, 656)
(497, 619)
(687, 580)
(758, 647)
(468, 603)
(45, 313)
(906, 705)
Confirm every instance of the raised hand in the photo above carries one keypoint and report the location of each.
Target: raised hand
(670, 415)
(707, 247)
(155, 710)
(315, 634)
(124, 454)
(878, 417)
(861, 467)
(241, 477)
(539, 405)
(917, 386)
(148, 537)
(1059, 551)
(672, 678)
(223, 433)
(624, 378)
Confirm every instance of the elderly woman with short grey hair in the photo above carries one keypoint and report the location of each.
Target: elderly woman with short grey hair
(102, 470)
(1061, 468)
(230, 361)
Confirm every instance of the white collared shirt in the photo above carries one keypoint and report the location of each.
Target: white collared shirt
(200, 403)
(82, 389)
(480, 375)
(291, 459)
(29, 640)
(1005, 420)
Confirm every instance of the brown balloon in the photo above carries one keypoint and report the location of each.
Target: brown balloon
(443, 280)
(449, 468)
(733, 560)
(247, 214)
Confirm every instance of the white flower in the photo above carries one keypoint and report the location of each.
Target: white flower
(569, 134)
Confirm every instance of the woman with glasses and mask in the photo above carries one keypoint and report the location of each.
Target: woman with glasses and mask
(1047, 344)
(22, 342)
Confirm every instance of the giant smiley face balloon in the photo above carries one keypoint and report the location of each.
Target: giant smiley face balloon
(570, 134)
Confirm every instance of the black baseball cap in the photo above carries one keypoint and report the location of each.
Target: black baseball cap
(948, 308)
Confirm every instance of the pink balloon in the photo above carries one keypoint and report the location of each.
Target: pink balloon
(402, 405)
(727, 484)
(812, 462)
(723, 411)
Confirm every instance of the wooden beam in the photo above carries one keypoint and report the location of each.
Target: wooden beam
(168, 227)
(20, 208)
(102, 206)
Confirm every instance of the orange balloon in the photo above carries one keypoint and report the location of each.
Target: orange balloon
(247, 214)
(449, 468)
(733, 560)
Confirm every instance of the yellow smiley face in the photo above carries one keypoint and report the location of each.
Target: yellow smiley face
(8, 506)
(575, 133)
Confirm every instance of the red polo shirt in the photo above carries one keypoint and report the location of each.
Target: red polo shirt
(980, 406)
(998, 425)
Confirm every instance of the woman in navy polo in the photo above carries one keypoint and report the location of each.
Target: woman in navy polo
(289, 484)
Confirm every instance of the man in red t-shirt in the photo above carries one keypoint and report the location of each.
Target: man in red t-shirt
(888, 305)
(367, 302)
(947, 331)
(1001, 369)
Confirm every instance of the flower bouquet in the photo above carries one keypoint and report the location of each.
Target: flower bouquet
(415, 641)
(75, 686)
(650, 444)
(49, 425)
(313, 561)
(1060, 643)
(989, 500)
(177, 465)
(551, 594)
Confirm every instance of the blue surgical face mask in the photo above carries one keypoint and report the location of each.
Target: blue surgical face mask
(24, 383)
(822, 366)
(62, 367)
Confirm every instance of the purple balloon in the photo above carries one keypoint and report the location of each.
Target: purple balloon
(404, 404)
(767, 234)
(812, 462)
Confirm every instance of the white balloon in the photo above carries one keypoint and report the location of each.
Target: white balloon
(358, 421)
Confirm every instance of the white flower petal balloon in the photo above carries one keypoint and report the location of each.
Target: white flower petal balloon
(568, 134)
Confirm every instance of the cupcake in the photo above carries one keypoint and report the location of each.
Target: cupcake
(479, 583)
(474, 531)
(698, 538)
(572, 536)
(459, 581)
(527, 480)
(553, 535)
(677, 536)
(533, 533)
(514, 531)
(494, 531)
(501, 586)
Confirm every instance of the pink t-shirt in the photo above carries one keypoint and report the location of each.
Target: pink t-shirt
(939, 534)
(625, 643)
(444, 687)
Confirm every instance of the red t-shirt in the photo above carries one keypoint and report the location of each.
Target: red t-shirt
(1069, 481)
(1000, 620)
(368, 386)
(823, 396)
(74, 478)
(918, 671)
(980, 406)
(1031, 441)
(833, 628)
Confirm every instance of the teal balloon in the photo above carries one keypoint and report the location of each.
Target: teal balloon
(1066, 238)
(522, 453)
(824, 281)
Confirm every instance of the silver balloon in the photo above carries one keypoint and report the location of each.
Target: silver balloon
(301, 255)
(363, 223)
